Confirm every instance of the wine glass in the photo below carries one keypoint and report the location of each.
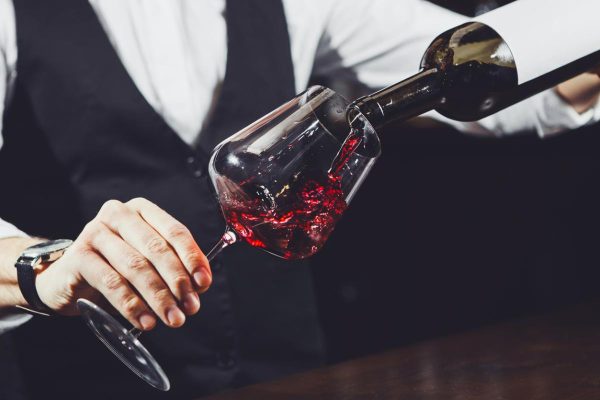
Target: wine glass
(282, 183)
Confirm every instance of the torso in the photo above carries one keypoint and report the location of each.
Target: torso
(180, 67)
(74, 98)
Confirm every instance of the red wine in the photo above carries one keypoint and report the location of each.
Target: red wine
(350, 145)
(300, 223)
(296, 222)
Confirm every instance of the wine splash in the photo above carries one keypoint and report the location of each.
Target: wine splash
(305, 214)
(350, 145)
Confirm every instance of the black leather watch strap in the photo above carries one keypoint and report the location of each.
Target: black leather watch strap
(26, 276)
(44, 252)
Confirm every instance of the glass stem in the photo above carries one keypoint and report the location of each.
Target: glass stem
(228, 238)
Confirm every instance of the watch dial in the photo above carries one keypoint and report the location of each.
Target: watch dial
(47, 248)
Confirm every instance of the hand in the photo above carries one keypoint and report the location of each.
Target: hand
(136, 257)
(581, 92)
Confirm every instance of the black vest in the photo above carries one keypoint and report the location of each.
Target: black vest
(90, 136)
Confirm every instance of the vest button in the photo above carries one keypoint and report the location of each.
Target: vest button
(226, 360)
(195, 167)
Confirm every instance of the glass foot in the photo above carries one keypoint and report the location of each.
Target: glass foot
(124, 344)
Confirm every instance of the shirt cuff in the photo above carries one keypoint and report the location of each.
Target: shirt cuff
(556, 115)
(13, 321)
(8, 230)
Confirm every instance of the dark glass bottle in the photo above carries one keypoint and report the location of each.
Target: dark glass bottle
(467, 73)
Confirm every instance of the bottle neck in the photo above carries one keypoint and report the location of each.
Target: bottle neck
(407, 99)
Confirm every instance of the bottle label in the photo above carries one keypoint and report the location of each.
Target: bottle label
(545, 35)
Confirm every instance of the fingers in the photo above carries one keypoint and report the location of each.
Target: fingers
(147, 264)
(116, 290)
(134, 230)
(142, 275)
(180, 239)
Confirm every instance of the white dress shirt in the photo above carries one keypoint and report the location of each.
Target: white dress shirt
(176, 52)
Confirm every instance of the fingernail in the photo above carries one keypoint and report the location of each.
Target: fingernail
(191, 302)
(175, 316)
(198, 278)
(147, 321)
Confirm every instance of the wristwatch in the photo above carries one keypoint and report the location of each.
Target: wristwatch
(29, 259)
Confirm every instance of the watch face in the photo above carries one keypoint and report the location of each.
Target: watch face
(47, 248)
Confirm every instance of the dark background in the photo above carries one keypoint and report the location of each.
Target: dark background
(452, 232)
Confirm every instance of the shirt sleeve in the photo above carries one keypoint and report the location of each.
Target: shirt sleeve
(10, 322)
(8, 58)
(8, 61)
(546, 113)
(380, 42)
(8, 54)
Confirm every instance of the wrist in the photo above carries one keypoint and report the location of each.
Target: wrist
(10, 251)
(581, 92)
(30, 266)
(45, 283)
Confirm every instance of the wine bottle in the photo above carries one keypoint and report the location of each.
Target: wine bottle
(488, 64)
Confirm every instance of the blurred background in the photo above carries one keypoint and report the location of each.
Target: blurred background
(452, 232)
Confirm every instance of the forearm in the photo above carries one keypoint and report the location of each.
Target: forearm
(10, 250)
(581, 92)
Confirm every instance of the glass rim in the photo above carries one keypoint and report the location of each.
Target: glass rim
(315, 91)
